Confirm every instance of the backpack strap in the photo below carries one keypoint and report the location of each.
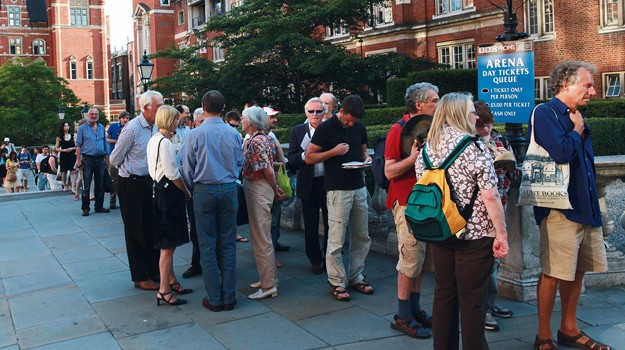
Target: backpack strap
(457, 151)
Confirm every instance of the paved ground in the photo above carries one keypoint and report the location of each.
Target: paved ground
(66, 285)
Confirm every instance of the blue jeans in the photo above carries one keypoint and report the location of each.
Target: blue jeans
(42, 183)
(215, 208)
(92, 168)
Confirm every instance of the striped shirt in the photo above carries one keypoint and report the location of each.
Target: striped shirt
(130, 153)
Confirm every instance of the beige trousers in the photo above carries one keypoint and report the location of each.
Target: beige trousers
(259, 197)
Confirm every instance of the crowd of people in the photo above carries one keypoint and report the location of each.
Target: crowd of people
(178, 177)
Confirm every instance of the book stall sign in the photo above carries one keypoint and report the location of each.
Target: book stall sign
(506, 80)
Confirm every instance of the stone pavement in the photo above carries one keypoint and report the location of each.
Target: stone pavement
(66, 285)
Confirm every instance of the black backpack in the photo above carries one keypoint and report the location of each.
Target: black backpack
(44, 165)
(378, 161)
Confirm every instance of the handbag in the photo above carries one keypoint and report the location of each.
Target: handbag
(544, 183)
(164, 184)
(242, 216)
(284, 182)
(11, 176)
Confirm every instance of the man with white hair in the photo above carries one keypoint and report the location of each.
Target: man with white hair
(198, 117)
(135, 192)
(331, 101)
(92, 157)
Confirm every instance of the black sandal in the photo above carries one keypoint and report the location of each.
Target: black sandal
(540, 342)
(337, 291)
(163, 297)
(176, 288)
(572, 341)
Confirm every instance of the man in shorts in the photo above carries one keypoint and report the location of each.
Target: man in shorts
(399, 168)
(571, 241)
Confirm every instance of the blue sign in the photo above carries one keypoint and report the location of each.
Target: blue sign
(506, 80)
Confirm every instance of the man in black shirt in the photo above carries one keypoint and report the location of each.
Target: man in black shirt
(339, 140)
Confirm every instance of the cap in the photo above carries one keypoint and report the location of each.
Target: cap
(270, 111)
(6, 139)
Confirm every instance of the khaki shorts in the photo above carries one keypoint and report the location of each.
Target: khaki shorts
(567, 247)
(411, 251)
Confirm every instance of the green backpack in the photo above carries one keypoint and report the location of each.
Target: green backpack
(431, 213)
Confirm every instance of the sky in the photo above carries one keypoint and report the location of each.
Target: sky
(120, 19)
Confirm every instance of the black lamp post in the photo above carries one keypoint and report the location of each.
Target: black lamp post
(85, 111)
(514, 131)
(145, 70)
(61, 113)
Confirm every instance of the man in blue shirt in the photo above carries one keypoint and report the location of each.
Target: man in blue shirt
(92, 156)
(211, 163)
(571, 241)
(112, 134)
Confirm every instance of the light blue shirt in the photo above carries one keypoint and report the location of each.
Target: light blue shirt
(212, 154)
(130, 153)
(91, 143)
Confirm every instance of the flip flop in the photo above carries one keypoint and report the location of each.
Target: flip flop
(242, 240)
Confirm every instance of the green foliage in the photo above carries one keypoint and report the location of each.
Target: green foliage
(395, 91)
(30, 96)
(450, 80)
(610, 108)
(383, 115)
(607, 135)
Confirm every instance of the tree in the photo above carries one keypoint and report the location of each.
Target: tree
(30, 96)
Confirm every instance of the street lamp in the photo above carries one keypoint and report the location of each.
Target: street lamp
(61, 113)
(145, 70)
(85, 111)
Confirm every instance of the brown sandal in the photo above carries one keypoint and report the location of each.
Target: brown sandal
(573, 341)
(540, 342)
(339, 293)
(363, 287)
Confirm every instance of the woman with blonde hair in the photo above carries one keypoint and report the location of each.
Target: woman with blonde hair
(170, 194)
(463, 264)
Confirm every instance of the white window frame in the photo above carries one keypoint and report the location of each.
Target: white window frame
(608, 84)
(218, 54)
(39, 47)
(15, 45)
(89, 68)
(446, 8)
(79, 16)
(542, 18)
(73, 68)
(458, 55)
(382, 15)
(612, 16)
(337, 30)
(14, 19)
(165, 2)
(541, 89)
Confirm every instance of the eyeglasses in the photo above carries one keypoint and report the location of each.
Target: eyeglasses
(484, 125)
(233, 125)
(317, 111)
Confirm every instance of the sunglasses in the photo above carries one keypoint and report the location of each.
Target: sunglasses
(318, 111)
(233, 125)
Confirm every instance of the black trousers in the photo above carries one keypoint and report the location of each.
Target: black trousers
(310, 211)
(135, 204)
(195, 255)
(462, 277)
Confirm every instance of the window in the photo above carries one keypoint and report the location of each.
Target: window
(381, 14)
(15, 46)
(458, 56)
(336, 30)
(541, 89)
(614, 84)
(218, 53)
(113, 74)
(180, 18)
(79, 12)
(89, 68)
(39, 47)
(72, 68)
(613, 13)
(217, 7)
(446, 7)
(539, 15)
(14, 16)
(164, 2)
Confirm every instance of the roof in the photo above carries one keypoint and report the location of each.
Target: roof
(37, 10)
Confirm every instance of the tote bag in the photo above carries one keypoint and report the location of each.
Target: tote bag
(544, 183)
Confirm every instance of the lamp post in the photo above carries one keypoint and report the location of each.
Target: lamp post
(85, 111)
(145, 70)
(61, 113)
(514, 131)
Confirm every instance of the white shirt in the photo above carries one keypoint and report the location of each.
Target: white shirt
(167, 164)
(319, 170)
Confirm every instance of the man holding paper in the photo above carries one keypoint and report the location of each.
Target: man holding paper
(571, 241)
(310, 183)
(338, 140)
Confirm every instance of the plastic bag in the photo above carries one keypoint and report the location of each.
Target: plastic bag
(284, 182)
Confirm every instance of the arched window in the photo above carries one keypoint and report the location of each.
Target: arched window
(73, 70)
(39, 47)
(89, 67)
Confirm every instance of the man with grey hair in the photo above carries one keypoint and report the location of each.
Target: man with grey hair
(421, 99)
(310, 183)
(92, 157)
(135, 192)
(571, 241)
(198, 117)
(331, 101)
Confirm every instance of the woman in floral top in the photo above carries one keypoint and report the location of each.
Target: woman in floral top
(260, 186)
(463, 265)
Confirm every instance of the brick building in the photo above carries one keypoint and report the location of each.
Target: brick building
(122, 79)
(69, 35)
(444, 31)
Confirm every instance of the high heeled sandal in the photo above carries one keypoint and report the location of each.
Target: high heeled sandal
(161, 297)
(176, 288)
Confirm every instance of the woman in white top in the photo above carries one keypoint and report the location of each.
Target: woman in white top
(170, 194)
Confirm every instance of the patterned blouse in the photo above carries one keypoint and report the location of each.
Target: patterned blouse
(257, 156)
(472, 166)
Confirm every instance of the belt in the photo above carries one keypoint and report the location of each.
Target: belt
(94, 157)
(138, 177)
